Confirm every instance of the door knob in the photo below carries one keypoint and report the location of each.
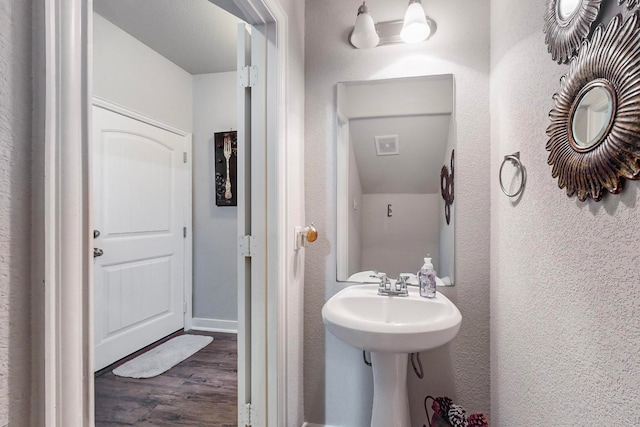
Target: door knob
(311, 233)
(97, 252)
(305, 235)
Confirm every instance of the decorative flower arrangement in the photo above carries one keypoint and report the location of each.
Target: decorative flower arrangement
(478, 420)
(458, 416)
(446, 413)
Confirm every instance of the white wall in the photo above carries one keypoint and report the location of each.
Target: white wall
(215, 292)
(565, 295)
(337, 384)
(15, 210)
(129, 73)
(398, 244)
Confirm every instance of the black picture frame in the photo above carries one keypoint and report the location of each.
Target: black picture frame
(220, 170)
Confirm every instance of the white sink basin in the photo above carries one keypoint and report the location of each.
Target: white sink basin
(393, 324)
(390, 327)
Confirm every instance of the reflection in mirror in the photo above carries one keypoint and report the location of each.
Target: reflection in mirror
(592, 117)
(566, 8)
(393, 137)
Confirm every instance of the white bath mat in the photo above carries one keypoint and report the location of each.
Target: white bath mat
(163, 357)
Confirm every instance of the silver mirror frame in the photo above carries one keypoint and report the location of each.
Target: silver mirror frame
(564, 35)
(611, 59)
(630, 3)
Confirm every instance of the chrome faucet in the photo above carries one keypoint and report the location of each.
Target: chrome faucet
(399, 288)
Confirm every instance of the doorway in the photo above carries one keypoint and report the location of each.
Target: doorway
(67, 368)
(164, 88)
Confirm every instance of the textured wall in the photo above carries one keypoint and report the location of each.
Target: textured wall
(337, 384)
(215, 270)
(15, 194)
(565, 294)
(131, 74)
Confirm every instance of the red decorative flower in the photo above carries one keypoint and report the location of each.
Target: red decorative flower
(478, 420)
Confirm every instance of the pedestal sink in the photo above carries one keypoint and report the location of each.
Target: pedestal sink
(390, 327)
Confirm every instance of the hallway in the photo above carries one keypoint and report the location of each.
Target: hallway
(199, 391)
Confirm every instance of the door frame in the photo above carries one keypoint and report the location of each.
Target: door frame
(187, 293)
(67, 290)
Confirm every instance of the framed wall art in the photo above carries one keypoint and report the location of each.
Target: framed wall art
(226, 167)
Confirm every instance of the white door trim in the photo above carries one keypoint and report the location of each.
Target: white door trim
(117, 108)
(68, 342)
(187, 297)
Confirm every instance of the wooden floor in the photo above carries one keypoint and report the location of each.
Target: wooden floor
(200, 391)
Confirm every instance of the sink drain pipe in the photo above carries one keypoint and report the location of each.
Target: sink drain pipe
(414, 356)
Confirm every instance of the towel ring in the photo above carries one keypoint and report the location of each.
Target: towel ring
(515, 158)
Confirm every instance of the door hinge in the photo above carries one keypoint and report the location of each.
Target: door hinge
(184, 232)
(247, 245)
(248, 76)
(249, 416)
(184, 306)
(184, 157)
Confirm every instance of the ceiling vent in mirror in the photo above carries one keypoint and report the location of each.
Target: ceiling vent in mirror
(387, 145)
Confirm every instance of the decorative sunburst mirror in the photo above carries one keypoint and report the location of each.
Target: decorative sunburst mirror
(567, 23)
(630, 3)
(594, 135)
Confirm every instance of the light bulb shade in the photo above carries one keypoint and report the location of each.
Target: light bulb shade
(415, 28)
(364, 35)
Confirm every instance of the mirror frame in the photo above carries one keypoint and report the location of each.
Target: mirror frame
(630, 3)
(564, 35)
(611, 60)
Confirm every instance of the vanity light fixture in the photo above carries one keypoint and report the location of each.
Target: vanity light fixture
(364, 34)
(415, 27)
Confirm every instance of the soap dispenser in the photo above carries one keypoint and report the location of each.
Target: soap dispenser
(427, 278)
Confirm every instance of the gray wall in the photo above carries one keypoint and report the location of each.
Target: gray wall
(565, 295)
(129, 73)
(15, 210)
(337, 384)
(215, 260)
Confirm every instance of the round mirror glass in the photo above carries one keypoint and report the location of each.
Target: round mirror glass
(566, 8)
(592, 117)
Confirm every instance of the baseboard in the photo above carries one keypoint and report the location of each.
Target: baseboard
(316, 425)
(214, 325)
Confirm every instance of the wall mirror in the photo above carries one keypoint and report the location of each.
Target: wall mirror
(567, 23)
(393, 138)
(594, 135)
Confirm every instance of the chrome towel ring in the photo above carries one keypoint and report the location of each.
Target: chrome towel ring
(515, 159)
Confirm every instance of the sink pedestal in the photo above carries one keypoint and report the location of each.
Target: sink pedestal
(390, 399)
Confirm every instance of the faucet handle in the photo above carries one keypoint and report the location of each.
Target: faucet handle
(402, 281)
(381, 276)
(384, 281)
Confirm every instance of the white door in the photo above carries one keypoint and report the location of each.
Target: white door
(139, 196)
(252, 208)
(244, 229)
